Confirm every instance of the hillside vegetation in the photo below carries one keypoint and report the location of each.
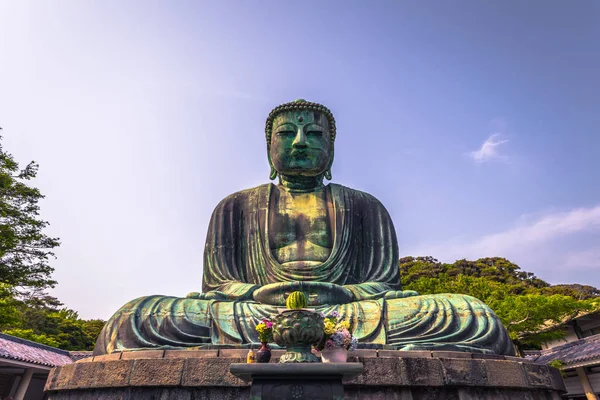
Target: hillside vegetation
(527, 306)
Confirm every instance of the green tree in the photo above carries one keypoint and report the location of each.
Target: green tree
(29, 334)
(528, 317)
(9, 306)
(42, 321)
(577, 291)
(24, 248)
(496, 269)
(527, 306)
(67, 329)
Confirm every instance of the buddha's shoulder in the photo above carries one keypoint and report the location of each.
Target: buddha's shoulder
(352, 193)
(244, 196)
(357, 196)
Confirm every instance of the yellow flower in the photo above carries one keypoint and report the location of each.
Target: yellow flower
(261, 328)
(329, 327)
(345, 324)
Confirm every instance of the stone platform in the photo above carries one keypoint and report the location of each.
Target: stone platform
(388, 375)
(297, 380)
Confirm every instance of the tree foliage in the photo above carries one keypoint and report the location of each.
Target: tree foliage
(494, 269)
(9, 306)
(577, 291)
(527, 306)
(24, 248)
(46, 322)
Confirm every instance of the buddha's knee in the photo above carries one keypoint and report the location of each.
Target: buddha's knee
(139, 304)
(460, 303)
(155, 321)
(160, 308)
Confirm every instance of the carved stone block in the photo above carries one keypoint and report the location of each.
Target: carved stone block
(297, 381)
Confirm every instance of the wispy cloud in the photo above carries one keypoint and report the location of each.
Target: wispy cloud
(543, 245)
(489, 150)
(542, 230)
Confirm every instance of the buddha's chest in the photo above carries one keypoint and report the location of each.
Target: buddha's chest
(300, 226)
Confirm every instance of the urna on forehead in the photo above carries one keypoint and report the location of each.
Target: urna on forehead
(302, 117)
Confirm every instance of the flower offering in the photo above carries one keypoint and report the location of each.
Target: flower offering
(338, 333)
(265, 331)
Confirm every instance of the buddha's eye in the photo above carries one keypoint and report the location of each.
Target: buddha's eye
(314, 133)
(286, 133)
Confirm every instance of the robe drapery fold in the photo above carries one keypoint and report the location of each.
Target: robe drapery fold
(364, 259)
(238, 257)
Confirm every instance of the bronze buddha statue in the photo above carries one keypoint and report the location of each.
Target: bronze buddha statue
(336, 244)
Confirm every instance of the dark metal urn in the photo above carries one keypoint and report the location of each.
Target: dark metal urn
(298, 331)
(263, 355)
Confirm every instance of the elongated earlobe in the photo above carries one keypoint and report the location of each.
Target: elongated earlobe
(273, 174)
(327, 173)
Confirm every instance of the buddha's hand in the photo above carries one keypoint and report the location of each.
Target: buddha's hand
(400, 294)
(212, 295)
(317, 293)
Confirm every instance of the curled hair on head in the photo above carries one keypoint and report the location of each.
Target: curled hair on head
(299, 105)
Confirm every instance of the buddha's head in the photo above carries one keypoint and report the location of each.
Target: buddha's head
(300, 137)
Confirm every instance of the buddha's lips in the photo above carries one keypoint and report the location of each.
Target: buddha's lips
(299, 154)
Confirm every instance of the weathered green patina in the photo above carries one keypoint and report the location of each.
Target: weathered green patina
(334, 243)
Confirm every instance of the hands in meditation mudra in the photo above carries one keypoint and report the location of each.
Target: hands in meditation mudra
(338, 245)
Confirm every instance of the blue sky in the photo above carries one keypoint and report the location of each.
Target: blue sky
(475, 123)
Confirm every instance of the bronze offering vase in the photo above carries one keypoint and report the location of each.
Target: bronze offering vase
(298, 331)
(263, 355)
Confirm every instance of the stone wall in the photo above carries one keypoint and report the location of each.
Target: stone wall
(389, 375)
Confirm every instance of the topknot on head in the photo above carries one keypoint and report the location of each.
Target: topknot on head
(299, 104)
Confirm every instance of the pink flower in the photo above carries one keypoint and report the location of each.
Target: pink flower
(267, 323)
(329, 344)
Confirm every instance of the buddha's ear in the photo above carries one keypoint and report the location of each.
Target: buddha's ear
(328, 170)
(273, 173)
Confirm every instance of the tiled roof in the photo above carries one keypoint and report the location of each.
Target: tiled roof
(577, 353)
(79, 355)
(14, 348)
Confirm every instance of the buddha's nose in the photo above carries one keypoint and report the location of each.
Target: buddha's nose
(300, 140)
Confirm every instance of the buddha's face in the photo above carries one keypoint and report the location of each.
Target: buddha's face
(300, 143)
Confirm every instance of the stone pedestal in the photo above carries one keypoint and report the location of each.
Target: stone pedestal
(388, 375)
(297, 381)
